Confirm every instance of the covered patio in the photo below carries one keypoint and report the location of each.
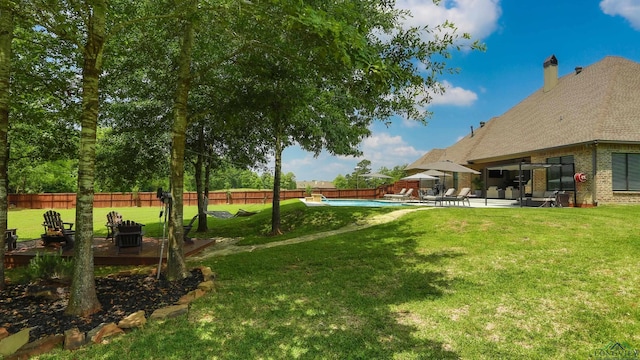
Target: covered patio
(521, 167)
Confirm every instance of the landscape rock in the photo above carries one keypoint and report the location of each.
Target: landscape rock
(12, 343)
(38, 347)
(206, 285)
(135, 320)
(4, 333)
(207, 273)
(190, 296)
(103, 331)
(169, 312)
(73, 339)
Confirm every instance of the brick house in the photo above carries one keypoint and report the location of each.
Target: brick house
(588, 120)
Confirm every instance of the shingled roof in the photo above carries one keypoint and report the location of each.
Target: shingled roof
(600, 103)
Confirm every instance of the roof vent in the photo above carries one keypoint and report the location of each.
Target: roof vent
(578, 69)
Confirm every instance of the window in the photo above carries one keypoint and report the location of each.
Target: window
(625, 169)
(560, 177)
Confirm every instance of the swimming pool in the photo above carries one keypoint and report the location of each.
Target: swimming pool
(361, 203)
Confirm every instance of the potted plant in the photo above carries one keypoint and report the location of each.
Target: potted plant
(478, 185)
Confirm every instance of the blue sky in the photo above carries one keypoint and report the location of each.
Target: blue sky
(519, 36)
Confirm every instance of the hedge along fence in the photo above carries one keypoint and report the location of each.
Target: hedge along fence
(149, 199)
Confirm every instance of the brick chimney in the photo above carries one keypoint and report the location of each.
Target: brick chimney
(550, 66)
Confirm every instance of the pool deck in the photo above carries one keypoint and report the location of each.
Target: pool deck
(474, 203)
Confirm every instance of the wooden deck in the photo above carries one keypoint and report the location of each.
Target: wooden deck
(105, 252)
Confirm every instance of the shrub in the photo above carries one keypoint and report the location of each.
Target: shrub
(49, 266)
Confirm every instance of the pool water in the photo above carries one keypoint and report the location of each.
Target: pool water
(361, 203)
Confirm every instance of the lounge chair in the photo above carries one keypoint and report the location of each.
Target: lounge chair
(402, 192)
(461, 197)
(439, 198)
(405, 196)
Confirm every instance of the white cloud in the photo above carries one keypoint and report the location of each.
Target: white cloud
(628, 9)
(454, 95)
(476, 17)
(383, 149)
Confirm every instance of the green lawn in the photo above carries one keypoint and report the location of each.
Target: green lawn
(296, 220)
(540, 283)
(29, 222)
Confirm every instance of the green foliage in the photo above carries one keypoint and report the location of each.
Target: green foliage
(477, 182)
(127, 159)
(57, 176)
(288, 181)
(341, 182)
(49, 266)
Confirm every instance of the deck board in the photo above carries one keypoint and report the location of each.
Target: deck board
(105, 252)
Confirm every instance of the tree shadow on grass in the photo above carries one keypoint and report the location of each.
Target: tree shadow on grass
(337, 298)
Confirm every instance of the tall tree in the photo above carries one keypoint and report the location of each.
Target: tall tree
(323, 71)
(6, 37)
(82, 298)
(176, 265)
(82, 26)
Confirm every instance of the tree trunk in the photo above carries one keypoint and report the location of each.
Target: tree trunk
(275, 211)
(176, 266)
(6, 37)
(200, 178)
(82, 298)
(207, 177)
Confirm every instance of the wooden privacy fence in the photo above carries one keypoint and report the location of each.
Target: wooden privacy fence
(149, 199)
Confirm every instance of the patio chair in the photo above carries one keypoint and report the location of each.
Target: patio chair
(56, 230)
(405, 196)
(511, 193)
(129, 234)
(528, 188)
(461, 197)
(113, 219)
(402, 192)
(439, 198)
(11, 239)
(187, 229)
(494, 193)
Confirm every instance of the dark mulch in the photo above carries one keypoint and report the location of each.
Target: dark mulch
(41, 306)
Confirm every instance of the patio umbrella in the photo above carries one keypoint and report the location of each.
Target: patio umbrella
(445, 166)
(376, 175)
(435, 173)
(420, 176)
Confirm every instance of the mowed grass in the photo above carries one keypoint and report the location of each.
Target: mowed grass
(541, 283)
(296, 220)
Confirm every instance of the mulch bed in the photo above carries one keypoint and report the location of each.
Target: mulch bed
(41, 306)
